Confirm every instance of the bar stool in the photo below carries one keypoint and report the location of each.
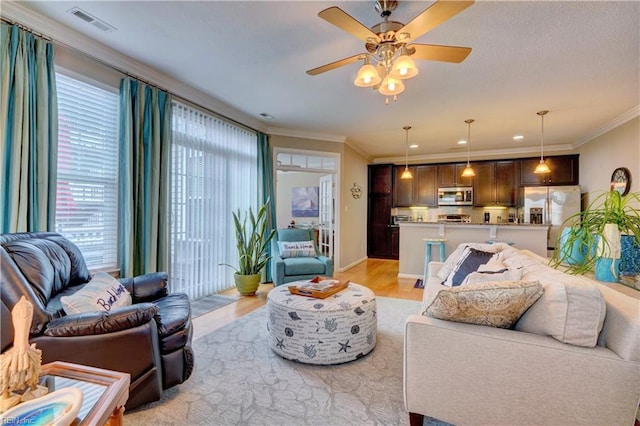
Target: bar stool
(428, 242)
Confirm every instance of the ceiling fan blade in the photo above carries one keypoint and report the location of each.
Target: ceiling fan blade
(341, 19)
(434, 52)
(336, 64)
(433, 16)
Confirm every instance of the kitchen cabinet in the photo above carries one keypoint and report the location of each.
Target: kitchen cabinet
(379, 199)
(495, 183)
(421, 191)
(451, 175)
(564, 171)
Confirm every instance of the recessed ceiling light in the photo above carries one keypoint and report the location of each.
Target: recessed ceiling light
(462, 142)
(518, 137)
(267, 116)
(413, 146)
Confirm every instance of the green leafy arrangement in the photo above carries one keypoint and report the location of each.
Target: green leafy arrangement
(252, 241)
(587, 227)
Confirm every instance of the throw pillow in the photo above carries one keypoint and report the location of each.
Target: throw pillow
(469, 262)
(453, 258)
(512, 274)
(571, 311)
(496, 304)
(102, 293)
(297, 249)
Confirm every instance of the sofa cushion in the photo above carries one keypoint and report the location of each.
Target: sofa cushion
(453, 258)
(296, 249)
(496, 304)
(469, 261)
(303, 266)
(102, 293)
(571, 310)
(508, 274)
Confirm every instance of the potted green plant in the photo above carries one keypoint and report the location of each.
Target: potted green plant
(252, 241)
(591, 234)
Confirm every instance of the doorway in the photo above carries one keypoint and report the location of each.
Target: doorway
(306, 195)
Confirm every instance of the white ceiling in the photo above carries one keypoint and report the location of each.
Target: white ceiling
(578, 59)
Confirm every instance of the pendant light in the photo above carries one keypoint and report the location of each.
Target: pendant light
(407, 173)
(542, 167)
(468, 171)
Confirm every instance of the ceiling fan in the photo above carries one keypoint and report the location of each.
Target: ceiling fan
(387, 44)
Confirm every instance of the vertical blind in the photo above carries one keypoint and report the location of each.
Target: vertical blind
(213, 173)
(87, 186)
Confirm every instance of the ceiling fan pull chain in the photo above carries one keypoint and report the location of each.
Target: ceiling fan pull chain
(386, 100)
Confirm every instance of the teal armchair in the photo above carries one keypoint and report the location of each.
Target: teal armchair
(287, 268)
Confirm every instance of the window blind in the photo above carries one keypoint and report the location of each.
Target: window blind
(87, 186)
(213, 173)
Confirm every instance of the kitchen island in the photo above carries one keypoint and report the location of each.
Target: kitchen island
(412, 235)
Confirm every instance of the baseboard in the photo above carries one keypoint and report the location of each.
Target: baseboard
(409, 276)
(351, 265)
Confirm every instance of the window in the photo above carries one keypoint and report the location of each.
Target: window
(87, 186)
(213, 173)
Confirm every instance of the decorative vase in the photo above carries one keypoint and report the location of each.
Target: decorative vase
(629, 255)
(573, 252)
(247, 285)
(608, 252)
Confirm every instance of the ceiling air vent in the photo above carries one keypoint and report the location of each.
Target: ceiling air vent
(88, 18)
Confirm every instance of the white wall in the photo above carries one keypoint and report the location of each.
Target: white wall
(619, 147)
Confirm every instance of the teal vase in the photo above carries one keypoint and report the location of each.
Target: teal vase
(607, 270)
(630, 256)
(572, 252)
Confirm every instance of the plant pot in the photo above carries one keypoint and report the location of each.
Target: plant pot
(247, 285)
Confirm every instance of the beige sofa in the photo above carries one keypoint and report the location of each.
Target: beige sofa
(468, 374)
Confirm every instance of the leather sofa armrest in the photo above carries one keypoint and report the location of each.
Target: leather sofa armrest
(147, 287)
(100, 322)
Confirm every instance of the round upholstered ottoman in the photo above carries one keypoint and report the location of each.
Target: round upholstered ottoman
(340, 328)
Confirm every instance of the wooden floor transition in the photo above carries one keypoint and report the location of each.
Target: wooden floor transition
(380, 275)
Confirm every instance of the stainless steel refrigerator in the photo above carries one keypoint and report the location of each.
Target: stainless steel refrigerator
(551, 205)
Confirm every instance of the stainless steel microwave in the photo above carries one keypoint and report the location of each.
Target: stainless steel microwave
(459, 196)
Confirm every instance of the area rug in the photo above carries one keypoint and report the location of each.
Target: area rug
(210, 303)
(238, 380)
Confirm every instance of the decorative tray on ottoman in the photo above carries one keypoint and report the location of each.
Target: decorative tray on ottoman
(319, 287)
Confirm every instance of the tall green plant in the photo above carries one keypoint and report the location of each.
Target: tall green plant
(252, 241)
(588, 226)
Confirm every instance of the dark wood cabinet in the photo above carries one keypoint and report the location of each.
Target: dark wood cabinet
(421, 191)
(564, 171)
(495, 183)
(450, 175)
(426, 186)
(403, 188)
(379, 199)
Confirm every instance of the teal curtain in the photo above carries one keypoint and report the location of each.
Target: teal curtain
(145, 135)
(29, 126)
(265, 175)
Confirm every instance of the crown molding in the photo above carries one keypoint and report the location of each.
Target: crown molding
(303, 134)
(358, 149)
(461, 155)
(616, 122)
(110, 57)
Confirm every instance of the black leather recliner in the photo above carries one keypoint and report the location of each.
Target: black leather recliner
(150, 339)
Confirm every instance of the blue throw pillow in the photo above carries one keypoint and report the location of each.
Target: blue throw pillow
(469, 262)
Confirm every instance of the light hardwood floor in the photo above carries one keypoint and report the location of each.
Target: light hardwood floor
(380, 275)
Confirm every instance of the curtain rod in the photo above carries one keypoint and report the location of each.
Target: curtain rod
(126, 73)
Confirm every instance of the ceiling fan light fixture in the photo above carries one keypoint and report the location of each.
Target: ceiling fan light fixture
(391, 86)
(367, 75)
(404, 67)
